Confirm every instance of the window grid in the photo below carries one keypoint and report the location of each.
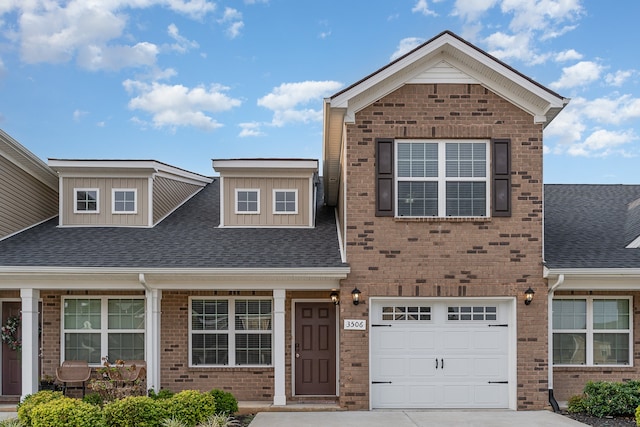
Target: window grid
(103, 326)
(245, 341)
(472, 313)
(406, 313)
(86, 200)
(285, 201)
(592, 331)
(247, 201)
(442, 178)
(124, 201)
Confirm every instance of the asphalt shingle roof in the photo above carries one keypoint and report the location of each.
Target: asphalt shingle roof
(589, 226)
(188, 238)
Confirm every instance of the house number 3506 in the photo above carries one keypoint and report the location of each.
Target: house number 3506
(355, 325)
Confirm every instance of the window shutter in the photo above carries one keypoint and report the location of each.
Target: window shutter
(384, 177)
(501, 190)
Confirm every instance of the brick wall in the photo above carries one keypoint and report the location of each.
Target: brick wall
(440, 257)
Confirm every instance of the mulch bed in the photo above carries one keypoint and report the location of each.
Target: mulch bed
(602, 422)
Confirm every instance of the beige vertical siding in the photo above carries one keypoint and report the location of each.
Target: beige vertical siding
(168, 194)
(24, 200)
(266, 216)
(104, 217)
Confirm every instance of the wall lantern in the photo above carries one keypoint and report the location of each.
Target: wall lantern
(528, 296)
(335, 298)
(355, 295)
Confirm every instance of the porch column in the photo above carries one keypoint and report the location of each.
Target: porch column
(30, 344)
(152, 344)
(279, 382)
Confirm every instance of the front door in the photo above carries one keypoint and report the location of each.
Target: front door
(11, 370)
(315, 349)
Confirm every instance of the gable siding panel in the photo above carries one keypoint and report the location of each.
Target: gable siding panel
(168, 194)
(24, 200)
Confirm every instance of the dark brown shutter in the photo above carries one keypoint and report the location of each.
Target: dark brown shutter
(501, 190)
(384, 177)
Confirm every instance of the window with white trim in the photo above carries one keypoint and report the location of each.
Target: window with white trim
(442, 178)
(124, 200)
(247, 201)
(592, 331)
(105, 326)
(85, 200)
(230, 332)
(285, 201)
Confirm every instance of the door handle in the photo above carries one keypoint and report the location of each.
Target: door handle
(297, 355)
(436, 363)
(441, 363)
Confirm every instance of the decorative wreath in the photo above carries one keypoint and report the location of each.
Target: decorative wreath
(10, 333)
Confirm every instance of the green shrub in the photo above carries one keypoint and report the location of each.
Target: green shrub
(94, 399)
(576, 404)
(173, 422)
(66, 412)
(134, 411)
(220, 420)
(162, 394)
(191, 406)
(604, 398)
(11, 422)
(31, 401)
(226, 403)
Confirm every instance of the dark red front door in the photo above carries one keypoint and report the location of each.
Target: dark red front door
(11, 370)
(315, 349)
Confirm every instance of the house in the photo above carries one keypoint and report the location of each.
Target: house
(591, 266)
(418, 272)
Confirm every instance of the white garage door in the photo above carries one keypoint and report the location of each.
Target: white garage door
(439, 354)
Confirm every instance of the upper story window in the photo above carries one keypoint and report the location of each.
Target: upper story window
(124, 201)
(442, 178)
(592, 331)
(285, 201)
(86, 200)
(247, 201)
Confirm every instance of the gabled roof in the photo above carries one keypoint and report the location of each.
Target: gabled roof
(591, 226)
(13, 151)
(188, 240)
(445, 58)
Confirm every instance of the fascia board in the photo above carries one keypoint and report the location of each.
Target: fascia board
(236, 164)
(582, 272)
(17, 154)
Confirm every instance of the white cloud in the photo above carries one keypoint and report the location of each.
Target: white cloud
(176, 105)
(580, 74)
(603, 143)
(516, 46)
(422, 7)
(542, 15)
(470, 11)
(250, 129)
(79, 114)
(287, 101)
(619, 77)
(182, 44)
(3, 69)
(568, 55)
(406, 45)
(92, 31)
(233, 19)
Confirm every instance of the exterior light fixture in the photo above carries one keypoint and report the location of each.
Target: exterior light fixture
(528, 296)
(355, 296)
(335, 298)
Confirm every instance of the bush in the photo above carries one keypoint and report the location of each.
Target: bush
(604, 398)
(134, 411)
(31, 401)
(66, 412)
(11, 422)
(226, 403)
(191, 406)
(576, 404)
(94, 399)
(162, 394)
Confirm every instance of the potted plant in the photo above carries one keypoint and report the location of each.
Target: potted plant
(47, 382)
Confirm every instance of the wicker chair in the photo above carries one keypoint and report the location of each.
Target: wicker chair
(73, 372)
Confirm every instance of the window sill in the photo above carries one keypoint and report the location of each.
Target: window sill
(474, 219)
(619, 368)
(245, 368)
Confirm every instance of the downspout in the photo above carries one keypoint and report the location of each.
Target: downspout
(552, 399)
(151, 331)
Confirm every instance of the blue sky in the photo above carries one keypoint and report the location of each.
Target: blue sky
(185, 81)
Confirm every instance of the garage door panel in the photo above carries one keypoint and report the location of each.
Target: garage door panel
(421, 367)
(457, 340)
(494, 368)
(491, 339)
(490, 395)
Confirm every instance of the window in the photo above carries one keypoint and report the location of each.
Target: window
(124, 201)
(231, 332)
(97, 327)
(592, 331)
(478, 313)
(285, 201)
(247, 201)
(406, 313)
(86, 200)
(442, 178)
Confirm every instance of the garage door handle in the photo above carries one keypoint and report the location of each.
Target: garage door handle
(380, 382)
(441, 363)
(498, 382)
(436, 363)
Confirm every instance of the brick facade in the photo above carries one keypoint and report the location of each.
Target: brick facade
(496, 256)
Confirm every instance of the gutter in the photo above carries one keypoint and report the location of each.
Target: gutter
(552, 399)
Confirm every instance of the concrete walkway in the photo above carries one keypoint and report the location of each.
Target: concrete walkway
(406, 418)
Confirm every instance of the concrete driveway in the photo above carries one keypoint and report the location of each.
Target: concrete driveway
(408, 418)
